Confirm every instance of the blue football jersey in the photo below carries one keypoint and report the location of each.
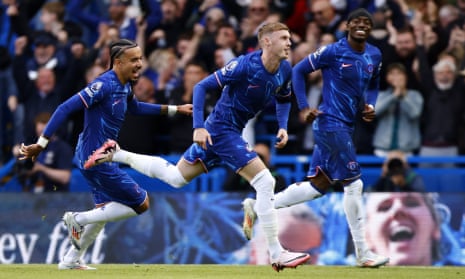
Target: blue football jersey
(351, 78)
(247, 88)
(106, 101)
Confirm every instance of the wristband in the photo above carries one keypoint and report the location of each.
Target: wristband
(42, 141)
(172, 110)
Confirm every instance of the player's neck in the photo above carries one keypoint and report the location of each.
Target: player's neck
(356, 45)
(270, 62)
(120, 77)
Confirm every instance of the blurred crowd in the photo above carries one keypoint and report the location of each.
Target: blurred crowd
(50, 49)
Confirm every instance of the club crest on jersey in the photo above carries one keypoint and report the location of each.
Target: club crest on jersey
(370, 68)
(229, 67)
(352, 165)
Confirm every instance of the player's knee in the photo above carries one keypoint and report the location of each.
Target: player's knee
(321, 181)
(177, 180)
(172, 176)
(264, 182)
(143, 207)
(354, 187)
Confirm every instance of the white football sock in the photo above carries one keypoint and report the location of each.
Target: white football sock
(353, 209)
(89, 235)
(264, 183)
(296, 193)
(152, 166)
(110, 212)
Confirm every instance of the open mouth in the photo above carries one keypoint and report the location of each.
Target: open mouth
(401, 233)
(361, 32)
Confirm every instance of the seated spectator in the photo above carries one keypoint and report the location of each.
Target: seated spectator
(397, 176)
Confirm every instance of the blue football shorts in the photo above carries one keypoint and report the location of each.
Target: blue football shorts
(334, 153)
(110, 183)
(228, 149)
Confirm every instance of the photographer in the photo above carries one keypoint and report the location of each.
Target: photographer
(397, 176)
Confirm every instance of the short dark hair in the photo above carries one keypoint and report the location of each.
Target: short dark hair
(360, 12)
(397, 66)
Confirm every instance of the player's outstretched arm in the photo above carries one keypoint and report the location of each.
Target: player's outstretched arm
(185, 109)
(30, 151)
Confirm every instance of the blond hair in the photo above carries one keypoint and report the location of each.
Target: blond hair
(269, 28)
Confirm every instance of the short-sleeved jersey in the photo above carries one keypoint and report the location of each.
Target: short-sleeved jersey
(106, 101)
(350, 78)
(247, 88)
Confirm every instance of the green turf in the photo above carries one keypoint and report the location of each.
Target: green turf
(113, 271)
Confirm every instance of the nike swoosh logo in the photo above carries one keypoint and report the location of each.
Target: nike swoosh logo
(344, 65)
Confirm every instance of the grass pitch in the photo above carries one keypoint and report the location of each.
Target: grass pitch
(113, 271)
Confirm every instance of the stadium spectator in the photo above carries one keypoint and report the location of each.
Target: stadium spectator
(443, 113)
(180, 132)
(171, 25)
(21, 14)
(187, 45)
(164, 72)
(327, 18)
(225, 43)
(44, 98)
(398, 113)
(397, 175)
(213, 37)
(401, 48)
(114, 13)
(51, 17)
(51, 172)
(255, 14)
(45, 53)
